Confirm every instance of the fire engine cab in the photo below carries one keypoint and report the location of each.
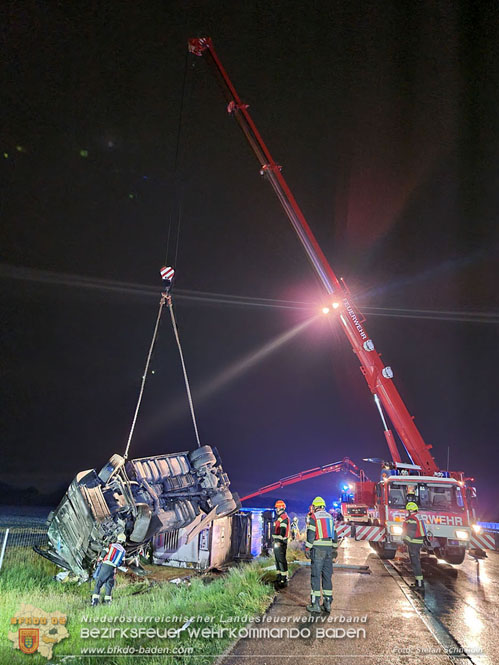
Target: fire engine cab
(445, 505)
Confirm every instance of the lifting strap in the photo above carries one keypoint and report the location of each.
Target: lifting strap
(165, 299)
(146, 371)
(186, 379)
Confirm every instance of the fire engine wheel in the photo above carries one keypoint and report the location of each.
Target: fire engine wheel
(455, 558)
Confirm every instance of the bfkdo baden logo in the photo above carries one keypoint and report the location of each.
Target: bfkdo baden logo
(37, 630)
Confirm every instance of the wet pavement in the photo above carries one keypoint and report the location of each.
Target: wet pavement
(377, 618)
(465, 599)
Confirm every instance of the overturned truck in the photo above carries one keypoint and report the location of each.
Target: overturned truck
(142, 498)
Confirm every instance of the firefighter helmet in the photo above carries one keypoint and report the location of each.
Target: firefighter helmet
(121, 538)
(412, 507)
(319, 502)
(280, 505)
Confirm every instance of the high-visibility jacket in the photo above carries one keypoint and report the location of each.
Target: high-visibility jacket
(414, 529)
(321, 531)
(280, 529)
(114, 555)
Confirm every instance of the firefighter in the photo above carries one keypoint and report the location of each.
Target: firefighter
(414, 534)
(280, 534)
(321, 548)
(106, 570)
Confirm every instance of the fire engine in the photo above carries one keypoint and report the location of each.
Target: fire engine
(446, 499)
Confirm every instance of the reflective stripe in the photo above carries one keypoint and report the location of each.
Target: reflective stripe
(309, 545)
(417, 541)
(276, 537)
(316, 594)
(415, 520)
(283, 573)
(323, 524)
(327, 592)
(114, 555)
(418, 577)
(280, 522)
(323, 543)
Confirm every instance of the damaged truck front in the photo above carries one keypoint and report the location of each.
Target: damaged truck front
(142, 498)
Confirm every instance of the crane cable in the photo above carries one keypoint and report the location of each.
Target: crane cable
(166, 297)
(146, 371)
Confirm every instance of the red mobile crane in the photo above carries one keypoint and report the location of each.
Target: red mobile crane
(440, 494)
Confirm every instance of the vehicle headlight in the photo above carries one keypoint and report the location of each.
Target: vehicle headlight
(476, 528)
(462, 535)
(396, 530)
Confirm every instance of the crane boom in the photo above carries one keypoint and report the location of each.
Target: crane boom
(346, 466)
(378, 376)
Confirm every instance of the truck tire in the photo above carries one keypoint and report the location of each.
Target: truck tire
(201, 456)
(456, 557)
(225, 503)
(107, 471)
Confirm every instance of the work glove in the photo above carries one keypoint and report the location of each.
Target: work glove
(308, 554)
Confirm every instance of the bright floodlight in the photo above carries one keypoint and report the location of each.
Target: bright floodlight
(325, 310)
(336, 305)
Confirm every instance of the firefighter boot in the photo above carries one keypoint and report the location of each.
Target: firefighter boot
(107, 600)
(314, 607)
(418, 586)
(95, 600)
(277, 582)
(326, 604)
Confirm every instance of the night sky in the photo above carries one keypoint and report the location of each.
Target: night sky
(384, 117)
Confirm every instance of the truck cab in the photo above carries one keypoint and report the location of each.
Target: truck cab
(354, 513)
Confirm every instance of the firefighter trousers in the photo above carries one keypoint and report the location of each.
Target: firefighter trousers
(281, 563)
(105, 578)
(321, 571)
(415, 557)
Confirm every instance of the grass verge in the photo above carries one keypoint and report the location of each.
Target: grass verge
(217, 604)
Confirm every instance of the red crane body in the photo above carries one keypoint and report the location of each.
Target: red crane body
(345, 466)
(378, 376)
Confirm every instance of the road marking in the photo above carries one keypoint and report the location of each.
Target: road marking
(442, 635)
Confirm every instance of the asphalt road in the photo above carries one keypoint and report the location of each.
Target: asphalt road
(456, 622)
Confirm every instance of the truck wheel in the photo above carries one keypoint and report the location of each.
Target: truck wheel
(201, 456)
(225, 503)
(455, 558)
(107, 471)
